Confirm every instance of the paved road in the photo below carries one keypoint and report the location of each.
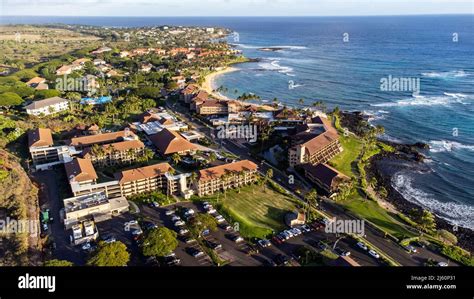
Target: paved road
(49, 198)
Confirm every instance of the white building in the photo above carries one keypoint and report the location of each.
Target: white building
(47, 106)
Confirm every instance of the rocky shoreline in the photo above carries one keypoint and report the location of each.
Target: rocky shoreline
(385, 165)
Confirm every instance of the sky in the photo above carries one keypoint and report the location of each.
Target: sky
(233, 7)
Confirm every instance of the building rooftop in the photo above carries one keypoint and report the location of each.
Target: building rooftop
(217, 171)
(142, 173)
(117, 146)
(45, 103)
(169, 142)
(324, 173)
(102, 138)
(80, 170)
(40, 137)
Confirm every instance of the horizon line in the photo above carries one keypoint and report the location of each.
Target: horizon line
(246, 16)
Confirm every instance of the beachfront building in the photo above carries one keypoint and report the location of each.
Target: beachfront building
(212, 107)
(121, 152)
(223, 177)
(101, 139)
(170, 142)
(325, 176)
(318, 143)
(47, 106)
(187, 93)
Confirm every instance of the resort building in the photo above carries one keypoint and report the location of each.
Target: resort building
(316, 144)
(152, 122)
(169, 142)
(84, 232)
(145, 179)
(47, 106)
(96, 206)
(223, 177)
(198, 99)
(188, 93)
(100, 139)
(212, 107)
(324, 176)
(40, 142)
(43, 153)
(114, 153)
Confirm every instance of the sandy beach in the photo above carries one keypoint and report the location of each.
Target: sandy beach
(209, 83)
(209, 86)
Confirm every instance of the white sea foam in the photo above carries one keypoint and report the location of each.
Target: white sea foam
(420, 100)
(245, 46)
(445, 75)
(456, 213)
(273, 64)
(441, 146)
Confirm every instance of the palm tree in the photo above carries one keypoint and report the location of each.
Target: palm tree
(311, 198)
(194, 177)
(212, 157)
(268, 176)
(148, 154)
(176, 158)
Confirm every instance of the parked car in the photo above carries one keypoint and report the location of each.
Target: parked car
(183, 231)
(179, 223)
(225, 226)
(110, 239)
(374, 254)
(189, 240)
(169, 212)
(149, 225)
(305, 228)
(194, 252)
(281, 259)
(277, 240)
(442, 264)
(154, 204)
(289, 233)
(342, 252)
(296, 231)
(411, 249)
(264, 243)
(220, 219)
(213, 245)
(86, 246)
(362, 246)
(175, 218)
(188, 212)
(285, 235)
(212, 211)
(236, 238)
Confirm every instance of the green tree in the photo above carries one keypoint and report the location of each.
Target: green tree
(58, 263)
(159, 242)
(8, 99)
(45, 94)
(113, 254)
(204, 221)
(176, 158)
(427, 221)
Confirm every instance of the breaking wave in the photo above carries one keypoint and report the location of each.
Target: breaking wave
(455, 213)
(419, 100)
(445, 75)
(440, 146)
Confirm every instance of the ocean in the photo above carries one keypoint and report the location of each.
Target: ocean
(342, 61)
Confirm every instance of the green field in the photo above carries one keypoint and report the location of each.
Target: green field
(371, 211)
(258, 211)
(343, 162)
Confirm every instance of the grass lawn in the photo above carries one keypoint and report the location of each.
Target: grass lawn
(257, 211)
(371, 211)
(343, 162)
